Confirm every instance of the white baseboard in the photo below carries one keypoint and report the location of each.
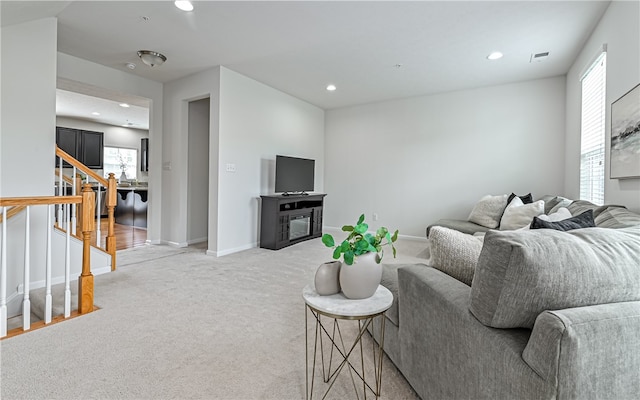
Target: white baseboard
(198, 240)
(175, 244)
(233, 250)
(148, 241)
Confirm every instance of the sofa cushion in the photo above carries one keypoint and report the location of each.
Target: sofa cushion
(561, 214)
(458, 225)
(454, 253)
(522, 273)
(519, 215)
(617, 217)
(584, 220)
(488, 210)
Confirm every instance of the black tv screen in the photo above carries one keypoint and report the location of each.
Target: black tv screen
(294, 174)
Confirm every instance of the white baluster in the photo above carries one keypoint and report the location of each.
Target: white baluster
(67, 272)
(60, 187)
(3, 276)
(47, 298)
(98, 214)
(26, 303)
(74, 191)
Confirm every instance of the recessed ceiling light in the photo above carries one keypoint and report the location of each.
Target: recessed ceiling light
(331, 88)
(495, 55)
(125, 105)
(95, 113)
(184, 5)
(131, 65)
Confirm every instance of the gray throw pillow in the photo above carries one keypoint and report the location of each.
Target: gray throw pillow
(488, 211)
(454, 253)
(523, 273)
(584, 220)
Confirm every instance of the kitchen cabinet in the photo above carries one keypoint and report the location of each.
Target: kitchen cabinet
(85, 146)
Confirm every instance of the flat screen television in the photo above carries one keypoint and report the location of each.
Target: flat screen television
(294, 174)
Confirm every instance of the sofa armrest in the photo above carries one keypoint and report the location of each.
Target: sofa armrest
(448, 354)
(590, 352)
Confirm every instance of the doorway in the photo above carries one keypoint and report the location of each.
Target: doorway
(198, 172)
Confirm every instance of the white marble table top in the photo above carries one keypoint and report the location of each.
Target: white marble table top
(340, 306)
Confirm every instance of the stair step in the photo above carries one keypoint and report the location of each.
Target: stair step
(37, 298)
(16, 322)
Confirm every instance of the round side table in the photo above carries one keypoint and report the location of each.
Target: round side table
(334, 308)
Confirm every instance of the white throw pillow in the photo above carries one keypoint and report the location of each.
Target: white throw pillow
(518, 215)
(454, 253)
(561, 214)
(488, 210)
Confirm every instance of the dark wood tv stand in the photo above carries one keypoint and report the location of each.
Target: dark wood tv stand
(291, 219)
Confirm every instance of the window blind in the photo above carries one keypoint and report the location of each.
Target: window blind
(593, 132)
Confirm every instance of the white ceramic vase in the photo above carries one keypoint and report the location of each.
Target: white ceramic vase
(327, 279)
(361, 279)
(123, 177)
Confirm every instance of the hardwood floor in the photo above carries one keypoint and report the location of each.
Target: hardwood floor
(126, 236)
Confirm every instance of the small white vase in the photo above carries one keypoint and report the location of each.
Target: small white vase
(361, 279)
(123, 177)
(327, 279)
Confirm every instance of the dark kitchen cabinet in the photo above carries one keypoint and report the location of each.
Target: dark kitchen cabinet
(85, 146)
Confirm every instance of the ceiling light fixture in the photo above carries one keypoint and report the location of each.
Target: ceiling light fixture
(331, 88)
(496, 55)
(125, 105)
(131, 65)
(151, 58)
(184, 5)
(95, 113)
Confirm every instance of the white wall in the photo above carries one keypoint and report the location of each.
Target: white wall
(258, 122)
(89, 73)
(27, 134)
(619, 28)
(114, 136)
(416, 160)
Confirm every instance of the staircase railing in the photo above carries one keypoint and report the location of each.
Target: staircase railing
(85, 280)
(72, 183)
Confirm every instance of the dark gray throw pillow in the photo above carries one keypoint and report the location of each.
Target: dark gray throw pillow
(526, 199)
(584, 220)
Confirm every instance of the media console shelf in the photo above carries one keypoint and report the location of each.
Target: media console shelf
(287, 220)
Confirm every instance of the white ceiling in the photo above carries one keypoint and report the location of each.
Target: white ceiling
(300, 47)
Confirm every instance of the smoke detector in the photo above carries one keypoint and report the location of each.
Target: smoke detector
(539, 57)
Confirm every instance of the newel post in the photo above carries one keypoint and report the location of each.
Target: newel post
(85, 281)
(111, 202)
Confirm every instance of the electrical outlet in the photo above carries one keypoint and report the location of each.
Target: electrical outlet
(375, 216)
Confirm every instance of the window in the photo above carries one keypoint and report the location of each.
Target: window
(593, 131)
(118, 160)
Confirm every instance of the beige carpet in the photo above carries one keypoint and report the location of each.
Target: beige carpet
(178, 324)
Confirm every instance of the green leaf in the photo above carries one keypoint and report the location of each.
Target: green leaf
(348, 257)
(371, 249)
(388, 237)
(378, 258)
(336, 253)
(361, 219)
(361, 228)
(328, 240)
(382, 231)
(362, 245)
(395, 236)
(345, 246)
(394, 251)
(347, 228)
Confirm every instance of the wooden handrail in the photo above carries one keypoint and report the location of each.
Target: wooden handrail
(111, 200)
(13, 211)
(65, 156)
(39, 200)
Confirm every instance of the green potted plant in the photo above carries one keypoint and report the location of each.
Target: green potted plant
(360, 242)
(360, 280)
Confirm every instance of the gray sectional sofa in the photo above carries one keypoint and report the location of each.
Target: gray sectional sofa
(549, 315)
